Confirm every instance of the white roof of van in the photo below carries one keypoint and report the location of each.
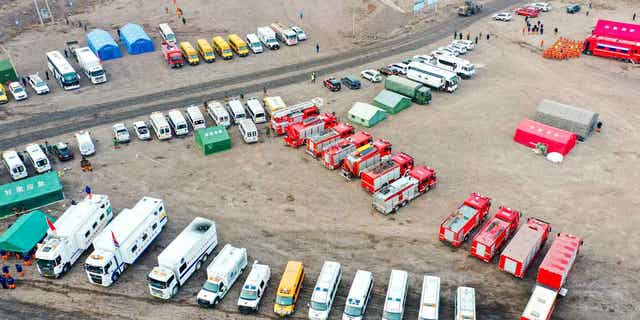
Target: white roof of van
(159, 119)
(226, 259)
(77, 215)
(176, 115)
(236, 106)
(359, 288)
(34, 150)
(247, 124)
(396, 291)
(194, 112)
(326, 279)
(258, 272)
(11, 157)
(83, 137)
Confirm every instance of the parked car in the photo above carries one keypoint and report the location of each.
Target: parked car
(17, 91)
(351, 82)
(62, 151)
(438, 52)
(542, 6)
(460, 47)
(302, 36)
(332, 84)
(121, 133)
(573, 8)
(449, 50)
(400, 68)
(527, 12)
(468, 43)
(3, 95)
(37, 84)
(388, 71)
(142, 130)
(502, 16)
(371, 75)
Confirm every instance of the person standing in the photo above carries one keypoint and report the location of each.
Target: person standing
(555, 31)
(634, 16)
(455, 35)
(476, 39)
(488, 36)
(24, 81)
(317, 47)
(264, 89)
(66, 55)
(46, 73)
(301, 14)
(541, 30)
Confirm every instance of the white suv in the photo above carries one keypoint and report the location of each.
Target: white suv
(467, 43)
(544, 6)
(17, 91)
(502, 16)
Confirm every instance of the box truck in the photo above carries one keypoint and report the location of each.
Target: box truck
(524, 247)
(222, 273)
(91, 66)
(418, 92)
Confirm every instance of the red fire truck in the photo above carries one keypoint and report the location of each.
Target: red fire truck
(172, 55)
(283, 118)
(552, 275)
(613, 39)
(456, 228)
(495, 233)
(316, 145)
(524, 247)
(365, 157)
(334, 156)
(297, 133)
(380, 175)
(392, 197)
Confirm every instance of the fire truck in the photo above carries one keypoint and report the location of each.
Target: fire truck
(613, 39)
(334, 156)
(380, 175)
(297, 113)
(456, 228)
(495, 233)
(364, 157)
(524, 247)
(316, 145)
(298, 133)
(392, 197)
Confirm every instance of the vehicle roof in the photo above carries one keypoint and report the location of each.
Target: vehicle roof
(228, 257)
(159, 119)
(57, 58)
(254, 104)
(467, 299)
(459, 219)
(359, 287)
(430, 297)
(491, 230)
(83, 137)
(61, 145)
(396, 292)
(193, 234)
(289, 277)
(127, 221)
(14, 85)
(119, 125)
(194, 111)
(247, 124)
(11, 157)
(34, 148)
(176, 115)
(561, 255)
(257, 274)
(524, 240)
(328, 276)
(540, 304)
(140, 123)
(77, 215)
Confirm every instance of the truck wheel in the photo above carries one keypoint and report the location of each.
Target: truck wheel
(174, 291)
(115, 277)
(199, 265)
(466, 237)
(65, 269)
(404, 203)
(205, 258)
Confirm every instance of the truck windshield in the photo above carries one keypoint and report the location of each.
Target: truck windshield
(211, 287)
(18, 169)
(353, 311)
(70, 78)
(320, 306)
(292, 36)
(41, 163)
(96, 73)
(176, 58)
(226, 52)
(284, 301)
(243, 48)
(391, 315)
(46, 264)
(182, 126)
(255, 45)
(249, 294)
(94, 269)
(157, 284)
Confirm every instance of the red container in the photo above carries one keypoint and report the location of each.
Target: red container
(559, 260)
(524, 247)
(529, 133)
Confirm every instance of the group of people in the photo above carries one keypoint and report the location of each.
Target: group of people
(534, 28)
(459, 35)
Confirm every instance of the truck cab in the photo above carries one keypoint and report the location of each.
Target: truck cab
(162, 282)
(101, 267)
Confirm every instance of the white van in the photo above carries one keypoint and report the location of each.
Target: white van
(325, 290)
(14, 165)
(218, 113)
(396, 295)
(37, 158)
(359, 294)
(255, 109)
(160, 126)
(465, 304)
(85, 143)
(195, 117)
(253, 288)
(177, 122)
(254, 43)
(248, 130)
(236, 110)
(430, 298)
(167, 34)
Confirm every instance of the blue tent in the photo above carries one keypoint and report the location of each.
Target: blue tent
(103, 45)
(134, 39)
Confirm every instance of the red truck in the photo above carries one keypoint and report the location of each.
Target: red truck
(298, 133)
(334, 156)
(524, 247)
(614, 39)
(380, 175)
(316, 145)
(297, 113)
(172, 55)
(364, 157)
(391, 198)
(457, 227)
(495, 233)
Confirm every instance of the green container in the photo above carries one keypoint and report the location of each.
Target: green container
(213, 139)
(30, 193)
(418, 92)
(391, 102)
(7, 72)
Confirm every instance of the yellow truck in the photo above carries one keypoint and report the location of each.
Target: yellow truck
(3, 95)
(189, 53)
(238, 45)
(205, 50)
(289, 289)
(222, 47)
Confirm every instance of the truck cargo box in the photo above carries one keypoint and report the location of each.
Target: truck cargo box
(524, 247)
(559, 260)
(495, 233)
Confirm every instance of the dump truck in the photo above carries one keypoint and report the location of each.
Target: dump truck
(418, 92)
(298, 133)
(334, 156)
(524, 247)
(283, 116)
(495, 233)
(364, 157)
(391, 198)
(316, 145)
(378, 176)
(469, 8)
(457, 227)
(172, 55)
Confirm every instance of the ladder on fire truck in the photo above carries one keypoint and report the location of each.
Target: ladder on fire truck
(317, 101)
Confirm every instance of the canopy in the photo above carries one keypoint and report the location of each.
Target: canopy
(573, 119)
(30, 193)
(365, 114)
(135, 40)
(529, 133)
(103, 45)
(618, 30)
(213, 139)
(26, 232)
(391, 102)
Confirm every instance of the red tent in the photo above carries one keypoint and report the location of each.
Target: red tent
(618, 30)
(530, 133)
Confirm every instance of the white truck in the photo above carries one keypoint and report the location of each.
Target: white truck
(85, 143)
(74, 231)
(432, 76)
(183, 257)
(253, 288)
(222, 273)
(462, 67)
(90, 64)
(268, 38)
(284, 34)
(124, 240)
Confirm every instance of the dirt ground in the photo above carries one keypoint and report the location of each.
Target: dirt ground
(282, 205)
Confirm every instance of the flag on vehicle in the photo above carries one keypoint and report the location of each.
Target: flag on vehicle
(115, 242)
(50, 224)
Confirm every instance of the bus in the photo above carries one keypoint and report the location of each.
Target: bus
(238, 45)
(289, 289)
(396, 295)
(433, 76)
(430, 298)
(222, 48)
(167, 34)
(325, 290)
(62, 71)
(359, 294)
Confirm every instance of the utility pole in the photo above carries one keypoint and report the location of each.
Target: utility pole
(39, 11)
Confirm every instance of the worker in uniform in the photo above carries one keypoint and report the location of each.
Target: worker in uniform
(19, 270)
(11, 283)
(5, 271)
(3, 282)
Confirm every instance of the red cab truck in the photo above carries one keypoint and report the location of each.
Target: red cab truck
(172, 55)
(380, 175)
(390, 198)
(316, 145)
(335, 155)
(495, 233)
(457, 227)
(524, 247)
(298, 133)
(364, 157)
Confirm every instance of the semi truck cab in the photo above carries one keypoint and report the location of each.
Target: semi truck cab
(104, 267)
(162, 283)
